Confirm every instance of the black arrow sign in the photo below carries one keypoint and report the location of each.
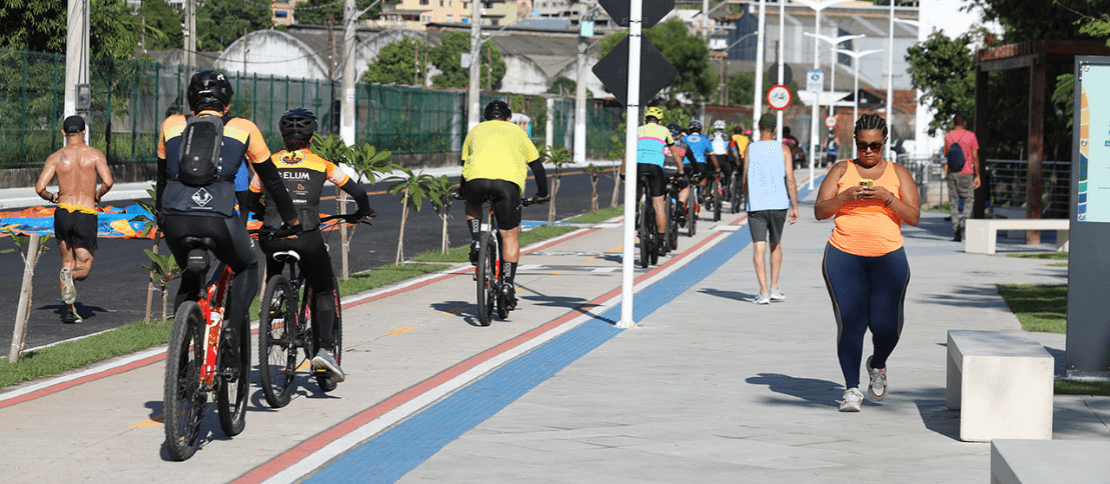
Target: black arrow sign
(655, 72)
(620, 11)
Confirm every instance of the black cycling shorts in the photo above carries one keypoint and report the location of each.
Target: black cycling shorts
(504, 195)
(656, 179)
(314, 262)
(692, 170)
(75, 228)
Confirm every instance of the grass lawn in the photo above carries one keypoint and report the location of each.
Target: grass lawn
(1042, 255)
(599, 216)
(1041, 309)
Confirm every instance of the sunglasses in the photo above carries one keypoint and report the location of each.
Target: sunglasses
(874, 146)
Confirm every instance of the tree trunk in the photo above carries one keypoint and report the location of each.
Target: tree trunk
(446, 242)
(165, 299)
(551, 208)
(150, 284)
(593, 194)
(401, 238)
(616, 190)
(23, 310)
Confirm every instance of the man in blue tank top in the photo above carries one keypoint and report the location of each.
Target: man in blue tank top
(771, 193)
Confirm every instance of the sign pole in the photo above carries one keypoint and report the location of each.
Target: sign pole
(635, 36)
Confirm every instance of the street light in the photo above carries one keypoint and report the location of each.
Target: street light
(817, 6)
(855, 93)
(724, 60)
(832, 66)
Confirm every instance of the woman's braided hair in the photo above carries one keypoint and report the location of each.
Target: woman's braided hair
(870, 121)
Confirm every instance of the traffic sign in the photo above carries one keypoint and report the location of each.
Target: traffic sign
(815, 80)
(621, 10)
(779, 97)
(787, 74)
(830, 122)
(612, 70)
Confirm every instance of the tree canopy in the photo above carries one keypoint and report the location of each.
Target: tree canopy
(398, 63)
(163, 25)
(334, 11)
(447, 58)
(221, 22)
(689, 54)
(40, 26)
(944, 70)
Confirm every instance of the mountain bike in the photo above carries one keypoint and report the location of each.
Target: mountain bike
(736, 193)
(714, 195)
(692, 205)
(286, 324)
(673, 215)
(646, 224)
(488, 275)
(195, 361)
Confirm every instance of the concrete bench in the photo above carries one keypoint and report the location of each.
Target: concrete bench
(1002, 384)
(980, 235)
(1049, 461)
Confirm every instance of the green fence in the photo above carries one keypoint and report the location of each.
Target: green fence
(130, 99)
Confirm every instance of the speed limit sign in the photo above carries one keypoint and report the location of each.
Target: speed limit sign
(779, 97)
(830, 122)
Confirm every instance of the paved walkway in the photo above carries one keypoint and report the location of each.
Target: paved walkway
(707, 388)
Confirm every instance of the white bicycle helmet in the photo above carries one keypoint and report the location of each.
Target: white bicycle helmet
(719, 124)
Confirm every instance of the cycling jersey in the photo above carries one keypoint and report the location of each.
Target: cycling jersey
(719, 140)
(241, 141)
(651, 141)
(498, 150)
(698, 146)
(303, 173)
(739, 143)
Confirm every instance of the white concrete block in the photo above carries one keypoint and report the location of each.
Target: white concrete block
(1002, 383)
(1049, 461)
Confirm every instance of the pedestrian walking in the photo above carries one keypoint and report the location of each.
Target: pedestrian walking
(772, 196)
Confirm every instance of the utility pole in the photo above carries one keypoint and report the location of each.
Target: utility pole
(347, 103)
(759, 66)
(473, 98)
(190, 34)
(580, 90)
(77, 93)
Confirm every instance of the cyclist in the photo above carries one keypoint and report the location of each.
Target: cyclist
(303, 174)
(738, 146)
(652, 140)
(719, 139)
(679, 152)
(208, 210)
(496, 156)
(697, 148)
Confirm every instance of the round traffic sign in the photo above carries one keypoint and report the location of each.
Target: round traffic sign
(830, 122)
(779, 97)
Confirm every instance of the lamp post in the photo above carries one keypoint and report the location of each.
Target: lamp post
(758, 94)
(817, 6)
(713, 43)
(832, 65)
(890, 78)
(855, 93)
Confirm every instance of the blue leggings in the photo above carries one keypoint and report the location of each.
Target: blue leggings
(867, 293)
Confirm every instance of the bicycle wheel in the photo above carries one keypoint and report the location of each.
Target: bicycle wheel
(692, 213)
(487, 287)
(327, 384)
(718, 198)
(735, 195)
(277, 346)
(231, 399)
(668, 210)
(645, 235)
(183, 396)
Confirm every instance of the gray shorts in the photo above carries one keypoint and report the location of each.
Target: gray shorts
(764, 223)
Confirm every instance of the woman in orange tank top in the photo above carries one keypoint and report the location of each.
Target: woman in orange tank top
(865, 265)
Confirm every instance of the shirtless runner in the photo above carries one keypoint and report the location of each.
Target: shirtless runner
(76, 165)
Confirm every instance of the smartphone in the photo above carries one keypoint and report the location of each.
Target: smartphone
(866, 182)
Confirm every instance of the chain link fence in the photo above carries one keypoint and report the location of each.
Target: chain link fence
(131, 98)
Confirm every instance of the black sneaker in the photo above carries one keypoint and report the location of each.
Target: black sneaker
(508, 294)
(680, 211)
(661, 244)
(229, 346)
(474, 253)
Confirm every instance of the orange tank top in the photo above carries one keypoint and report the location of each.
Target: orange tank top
(867, 228)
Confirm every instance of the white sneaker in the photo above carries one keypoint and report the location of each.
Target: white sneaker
(69, 292)
(877, 388)
(777, 295)
(851, 400)
(762, 298)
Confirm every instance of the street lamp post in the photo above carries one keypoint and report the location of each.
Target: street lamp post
(890, 78)
(855, 93)
(834, 43)
(817, 6)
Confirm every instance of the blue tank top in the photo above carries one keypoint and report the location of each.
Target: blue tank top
(767, 177)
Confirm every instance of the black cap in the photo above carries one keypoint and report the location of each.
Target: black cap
(768, 121)
(73, 124)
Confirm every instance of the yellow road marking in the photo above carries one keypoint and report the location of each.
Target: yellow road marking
(591, 259)
(304, 365)
(401, 330)
(148, 423)
(616, 249)
(556, 272)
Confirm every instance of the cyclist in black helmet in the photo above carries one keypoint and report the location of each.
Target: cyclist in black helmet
(496, 156)
(304, 173)
(208, 209)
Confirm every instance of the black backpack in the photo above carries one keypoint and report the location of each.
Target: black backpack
(199, 160)
(956, 159)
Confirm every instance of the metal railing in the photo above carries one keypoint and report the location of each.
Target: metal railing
(1006, 180)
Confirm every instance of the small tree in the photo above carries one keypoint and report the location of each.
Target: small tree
(558, 156)
(412, 189)
(30, 253)
(595, 175)
(148, 227)
(166, 268)
(441, 195)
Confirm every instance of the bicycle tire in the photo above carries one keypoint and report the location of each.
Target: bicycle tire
(277, 343)
(486, 285)
(183, 396)
(734, 198)
(692, 213)
(645, 235)
(718, 198)
(325, 383)
(668, 210)
(231, 397)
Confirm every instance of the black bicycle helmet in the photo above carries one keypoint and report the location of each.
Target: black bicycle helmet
(209, 87)
(298, 123)
(674, 128)
(497, 109)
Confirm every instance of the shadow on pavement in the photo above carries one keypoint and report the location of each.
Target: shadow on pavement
(734, 295)
(938, 418)
(821, 392)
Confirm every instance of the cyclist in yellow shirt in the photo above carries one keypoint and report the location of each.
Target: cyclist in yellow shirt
(496, 156)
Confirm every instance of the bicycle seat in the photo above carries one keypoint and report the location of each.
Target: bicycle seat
(198, 248)
(287, 256)
(191, 243)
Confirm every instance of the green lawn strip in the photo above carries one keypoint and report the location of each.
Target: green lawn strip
(1039, 308)
(1042, 255)
(72, 354)
(599, 216)
(1065, 387)
(462, 254)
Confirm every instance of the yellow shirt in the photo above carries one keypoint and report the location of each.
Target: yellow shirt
(498, 150)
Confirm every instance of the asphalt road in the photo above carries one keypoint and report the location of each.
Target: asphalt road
(115, 292)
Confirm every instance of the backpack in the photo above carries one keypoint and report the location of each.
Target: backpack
(956, 158)
(199, 160)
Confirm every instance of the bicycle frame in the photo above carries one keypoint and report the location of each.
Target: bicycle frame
(212, 307)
